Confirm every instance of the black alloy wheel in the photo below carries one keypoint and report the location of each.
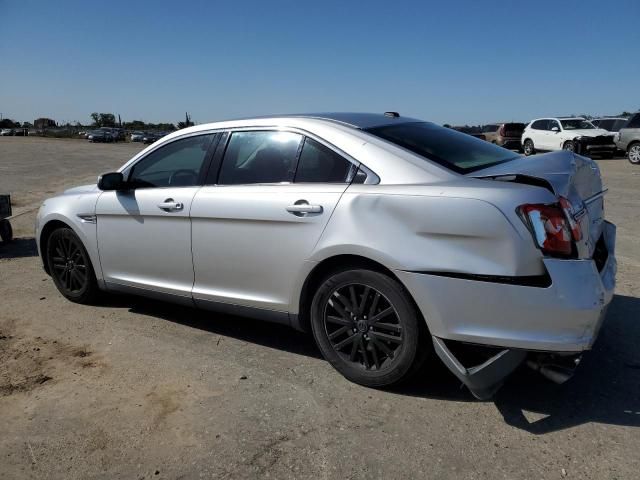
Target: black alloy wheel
(70, 266)
(368, 328)
(363, 326)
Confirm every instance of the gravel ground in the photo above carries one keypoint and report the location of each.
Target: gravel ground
(138, 389)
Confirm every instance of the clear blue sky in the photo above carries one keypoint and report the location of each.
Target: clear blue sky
(447, 61)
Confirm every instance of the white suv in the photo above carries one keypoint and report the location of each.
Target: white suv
(575, 134)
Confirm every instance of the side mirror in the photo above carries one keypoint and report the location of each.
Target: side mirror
(111, 181)
(555, 129)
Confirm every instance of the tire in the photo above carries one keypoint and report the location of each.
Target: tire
(70, 267)
(569, 146)
(633, 154)
(6, 232)
(528, 147)
(378, 351)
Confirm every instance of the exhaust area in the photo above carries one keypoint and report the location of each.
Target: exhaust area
(555, 367)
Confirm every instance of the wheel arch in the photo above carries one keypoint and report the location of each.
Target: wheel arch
(333, 264)
(46, 232)
(632, 143)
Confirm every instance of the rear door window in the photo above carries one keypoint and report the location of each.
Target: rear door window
(260, 157)
(540, 124)
(320, 164)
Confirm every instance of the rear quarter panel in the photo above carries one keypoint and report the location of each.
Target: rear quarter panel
(470, 226)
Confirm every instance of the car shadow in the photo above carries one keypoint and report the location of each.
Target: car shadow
(19, 248)
(263, 333)
(605, 388)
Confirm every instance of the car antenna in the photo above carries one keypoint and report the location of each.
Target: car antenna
(391, 114)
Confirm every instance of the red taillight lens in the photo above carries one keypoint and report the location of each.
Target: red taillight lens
(569, 213)
(550, 228)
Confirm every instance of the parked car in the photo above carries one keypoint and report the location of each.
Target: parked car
(319, 222)
(150, 138)
(507, 135)
(628, 139)
(101, 136)
(610, 124)
(114, 133)
(573, 134)
(137, 136)
(473, 131)
(6, 132)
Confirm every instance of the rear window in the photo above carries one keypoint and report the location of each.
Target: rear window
(454, 150)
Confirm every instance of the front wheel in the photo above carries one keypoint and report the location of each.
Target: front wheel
(367, 327)
(569, 146)
(528, 147)
(634, 154)
(70, 266)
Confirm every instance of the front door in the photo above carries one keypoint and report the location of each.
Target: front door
(144, 232)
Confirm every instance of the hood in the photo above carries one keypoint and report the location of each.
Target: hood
(91, 188)
(589, 132)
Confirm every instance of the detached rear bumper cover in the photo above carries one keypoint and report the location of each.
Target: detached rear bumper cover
(564, 317)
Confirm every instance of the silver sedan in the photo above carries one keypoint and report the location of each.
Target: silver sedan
(394, 241)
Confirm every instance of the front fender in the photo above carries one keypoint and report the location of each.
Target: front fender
(78, 212)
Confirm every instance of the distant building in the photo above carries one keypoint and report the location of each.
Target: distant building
(41, 123)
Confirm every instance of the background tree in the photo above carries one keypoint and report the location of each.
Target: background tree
(103, 119)
(8, 123)
(187, 121)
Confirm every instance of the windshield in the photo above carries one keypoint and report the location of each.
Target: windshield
(456, 151)
(576, 124)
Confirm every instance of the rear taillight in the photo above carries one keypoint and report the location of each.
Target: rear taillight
(569, 214)
(550, 228)
(501, 131)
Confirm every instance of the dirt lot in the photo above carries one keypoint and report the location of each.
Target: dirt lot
(138, 389)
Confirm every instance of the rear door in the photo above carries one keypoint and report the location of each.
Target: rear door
(254, 227)
(144, 233)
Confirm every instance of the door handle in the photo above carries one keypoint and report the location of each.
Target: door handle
(302, 208)
(170, 205)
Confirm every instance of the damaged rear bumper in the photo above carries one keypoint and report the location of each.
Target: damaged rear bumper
(562, 319)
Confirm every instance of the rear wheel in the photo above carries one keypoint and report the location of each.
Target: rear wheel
(528, 147)
(634, 153)
(70, 266)
(367, 327)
